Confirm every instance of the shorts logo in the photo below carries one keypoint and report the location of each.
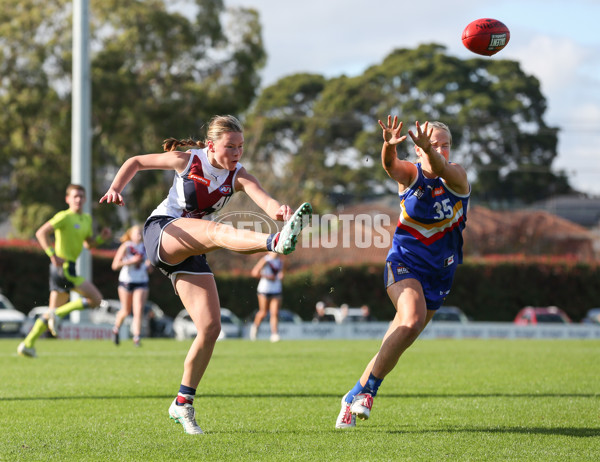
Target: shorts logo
(199, 179)
(225, 189)
(449, 261)
(402, 270)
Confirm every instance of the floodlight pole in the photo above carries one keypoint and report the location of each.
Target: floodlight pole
(81, 171)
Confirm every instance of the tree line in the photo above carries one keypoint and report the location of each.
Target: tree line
(161, 71)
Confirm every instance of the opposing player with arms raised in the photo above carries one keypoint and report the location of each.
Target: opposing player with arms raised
(426, 249)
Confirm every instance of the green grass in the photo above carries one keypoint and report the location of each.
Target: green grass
(453, 400)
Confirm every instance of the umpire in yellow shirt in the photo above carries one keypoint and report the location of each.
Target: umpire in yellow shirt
(72, 229)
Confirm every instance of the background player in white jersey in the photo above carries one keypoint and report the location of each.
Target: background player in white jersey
(176, 238)
(133, 265)
(269, 292)
(426, 249)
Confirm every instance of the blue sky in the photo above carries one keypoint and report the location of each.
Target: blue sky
(556, 41)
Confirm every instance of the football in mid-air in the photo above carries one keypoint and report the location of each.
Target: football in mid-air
(485, 36)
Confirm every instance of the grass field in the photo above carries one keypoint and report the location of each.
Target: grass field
(446, 400)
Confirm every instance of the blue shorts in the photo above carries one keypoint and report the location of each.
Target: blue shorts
(64, 278)
(133, 286)
(436, 285)
(153, 229)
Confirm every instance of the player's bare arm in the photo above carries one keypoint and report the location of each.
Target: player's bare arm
(272, 207)
(43, 237)
(172, 160)
(401, 171)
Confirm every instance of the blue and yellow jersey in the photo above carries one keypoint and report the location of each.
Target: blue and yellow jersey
(70, 230)
(429, 232)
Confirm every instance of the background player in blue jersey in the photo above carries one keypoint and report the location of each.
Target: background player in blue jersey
(176, 237)
(426, 249)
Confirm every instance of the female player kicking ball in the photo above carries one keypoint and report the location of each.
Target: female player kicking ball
(426, 249)
(176, 237)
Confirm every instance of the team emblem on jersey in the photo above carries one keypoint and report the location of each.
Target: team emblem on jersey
(419, 192)
(225, 189)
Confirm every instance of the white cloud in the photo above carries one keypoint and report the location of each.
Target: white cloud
(554, 61)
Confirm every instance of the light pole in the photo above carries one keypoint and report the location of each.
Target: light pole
(81, 168)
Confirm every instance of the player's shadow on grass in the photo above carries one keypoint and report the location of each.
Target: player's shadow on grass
(578, 432)
(492, 395)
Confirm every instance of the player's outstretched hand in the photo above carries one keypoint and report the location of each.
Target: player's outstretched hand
(112, 197)
(391, 131)
(423, 137)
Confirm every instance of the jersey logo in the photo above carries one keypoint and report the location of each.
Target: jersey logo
(419, 192)
(437, 192)
(199, 179)
(225, 189)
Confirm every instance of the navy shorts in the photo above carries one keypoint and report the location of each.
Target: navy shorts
(153, 229)
(132, 286)
(436, 285)
(270, 294)
(64, 278)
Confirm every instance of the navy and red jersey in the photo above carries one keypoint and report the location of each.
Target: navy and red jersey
(267, 285)
(199, 190)
(134, 273)
(429, 232)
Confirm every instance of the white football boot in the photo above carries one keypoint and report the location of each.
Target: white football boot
(52, 322)
(24, 351)
(288, 237)
(253, 332)
(345, 418)
(186, 416)
(361, 406)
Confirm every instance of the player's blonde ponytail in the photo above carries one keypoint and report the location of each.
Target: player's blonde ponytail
(170, 144)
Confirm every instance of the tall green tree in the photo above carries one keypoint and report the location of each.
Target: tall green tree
(327, 142)
(157, 71)
(277, 135)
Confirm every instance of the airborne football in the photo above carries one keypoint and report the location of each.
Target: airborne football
(485, 36)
